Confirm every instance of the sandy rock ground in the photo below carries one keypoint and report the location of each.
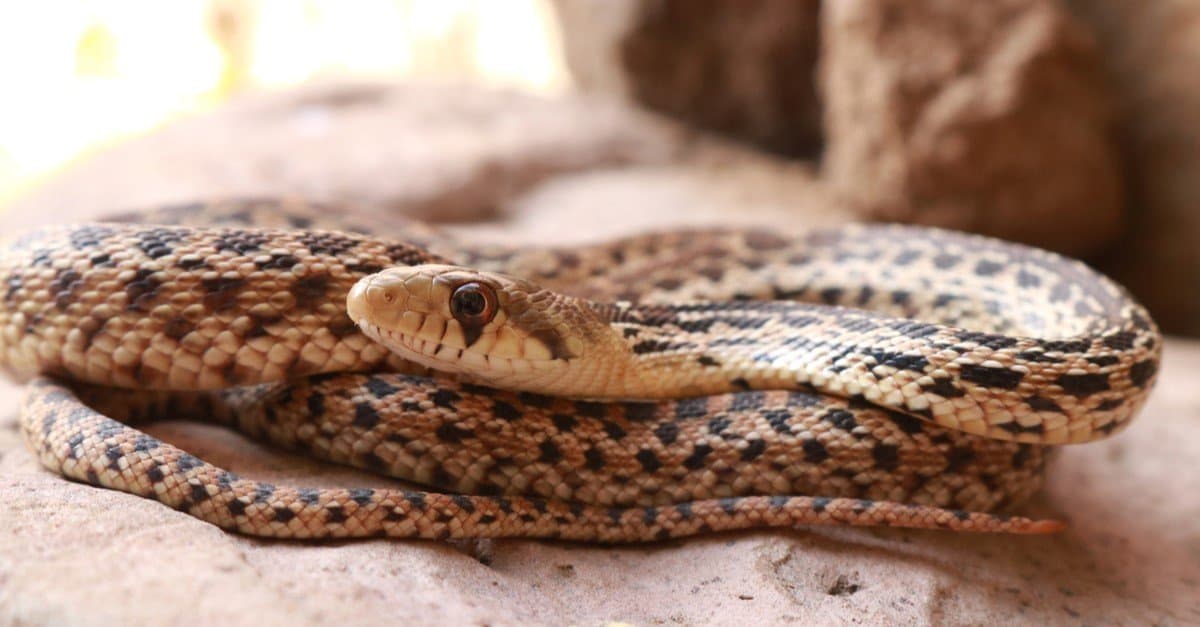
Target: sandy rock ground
(73, 554)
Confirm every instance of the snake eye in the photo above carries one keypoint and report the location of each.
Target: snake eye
(473, 304)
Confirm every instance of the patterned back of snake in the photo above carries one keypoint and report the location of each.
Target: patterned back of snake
(189, 308)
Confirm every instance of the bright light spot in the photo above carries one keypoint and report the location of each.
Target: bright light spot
(79, 74)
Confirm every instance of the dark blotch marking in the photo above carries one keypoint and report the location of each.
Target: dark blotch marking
(651, 346)
(198, 493)
(177, 327)
(943, 387)
(779, 419)
(1021, 456)
(841, 419)
(590, 409)
(380, 388)
(814, 451)
(1121, 341)
(241, 242)
(549, 452)
(365, 416)
(1082, 385)
(958, 457)
(362, 496)
(695, 461)
(445, 398)
(535, 400)
(1016, 428)
(690, 408)
(188, 462)
(639, 412)
(666, 433)
(453, 433)
(613, 430)
(505, 411)
(1141, 372)
(334, 514)
(945, 261)
(141, 289)
(310, 291)
(593, 459)
(1027, 279)
(831, 295)
(649, 461)
(886, 456)
(1038, 403)
(221, 293)
(986, 267)
(754, 448)
(342, 327)
(416, 499)
(905, 423)
(278, 261)
(316, 404)
(563, 422)
(990, 377)
(236, 507)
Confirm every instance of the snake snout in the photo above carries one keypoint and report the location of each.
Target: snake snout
(378, 299)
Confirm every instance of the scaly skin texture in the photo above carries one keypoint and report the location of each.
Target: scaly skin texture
(206, 308)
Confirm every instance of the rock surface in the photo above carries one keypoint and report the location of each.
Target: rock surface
(986, 117)
(743, 71)
(73, 554)
(434, 151)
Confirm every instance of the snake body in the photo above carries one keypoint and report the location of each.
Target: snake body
(929, 411)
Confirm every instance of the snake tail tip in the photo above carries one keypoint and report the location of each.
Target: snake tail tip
(1044, 527)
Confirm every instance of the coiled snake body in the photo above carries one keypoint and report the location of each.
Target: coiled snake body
(920, 391)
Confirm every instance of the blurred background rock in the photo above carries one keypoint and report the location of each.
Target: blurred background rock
(1069, 125)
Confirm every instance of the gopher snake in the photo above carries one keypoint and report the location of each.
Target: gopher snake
(1006, 348)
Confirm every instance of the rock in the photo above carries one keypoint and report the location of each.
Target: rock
(991, 118)
(744, 71)
(435, 152)
(986, 117)
(1152, 51)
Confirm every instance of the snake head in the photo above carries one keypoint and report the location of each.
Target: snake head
(463, 321)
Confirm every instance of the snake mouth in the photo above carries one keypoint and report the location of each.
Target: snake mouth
(411, 312)
(437, 355)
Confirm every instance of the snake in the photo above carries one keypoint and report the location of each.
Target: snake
(656, 386)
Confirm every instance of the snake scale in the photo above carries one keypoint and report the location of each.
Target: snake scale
(861, 375)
